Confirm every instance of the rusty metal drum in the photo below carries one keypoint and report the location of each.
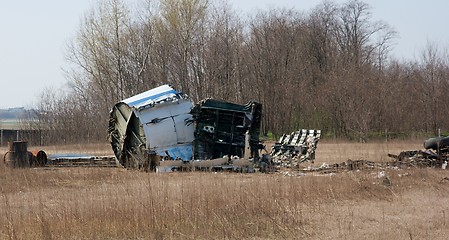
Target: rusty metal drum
(40, 158)
(18, 155)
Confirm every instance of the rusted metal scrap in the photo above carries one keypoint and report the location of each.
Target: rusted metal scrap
(418, 158)
(163, 129)
(295, 148)
(435, 155)
(18, 156)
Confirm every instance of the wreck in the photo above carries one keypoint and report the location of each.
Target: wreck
(162, 129)
(436, 154)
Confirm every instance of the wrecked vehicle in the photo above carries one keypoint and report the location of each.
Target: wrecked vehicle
(162, 129)
(435, 155)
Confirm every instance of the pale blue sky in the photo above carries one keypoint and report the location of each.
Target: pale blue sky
(33, 35)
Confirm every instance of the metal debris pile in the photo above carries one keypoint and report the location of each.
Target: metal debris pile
(300, 146)
(349, 165)
(295, 148)
(79, 160)
(18, 156)
(436, 155)
(418, 158)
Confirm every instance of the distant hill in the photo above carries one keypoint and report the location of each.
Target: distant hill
(14, 113)
(14, 118)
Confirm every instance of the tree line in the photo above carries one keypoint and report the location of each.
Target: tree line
(329, 68)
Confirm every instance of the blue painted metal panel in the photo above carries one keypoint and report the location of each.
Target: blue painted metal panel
(183, 151)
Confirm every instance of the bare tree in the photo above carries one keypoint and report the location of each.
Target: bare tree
(433, 76)
(180, 31)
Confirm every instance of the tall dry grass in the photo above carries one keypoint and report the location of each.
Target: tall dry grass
(118, 204)
(340, 151)
(95, 203)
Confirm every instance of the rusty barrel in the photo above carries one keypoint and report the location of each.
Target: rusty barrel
(18, 155)
(39, 158)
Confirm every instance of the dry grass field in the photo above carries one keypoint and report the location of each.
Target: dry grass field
(114, 203)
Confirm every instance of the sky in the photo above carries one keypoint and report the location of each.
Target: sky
(34, 35)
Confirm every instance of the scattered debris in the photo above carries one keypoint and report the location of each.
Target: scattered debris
(80, 160)
(359, 164)
(18, 156)
(436, 155)
(295, 148)
(404, 175)
(445, 180)
(349, 165)
(417, 158)
(323, 166)
(293, 174)
(386, 181)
